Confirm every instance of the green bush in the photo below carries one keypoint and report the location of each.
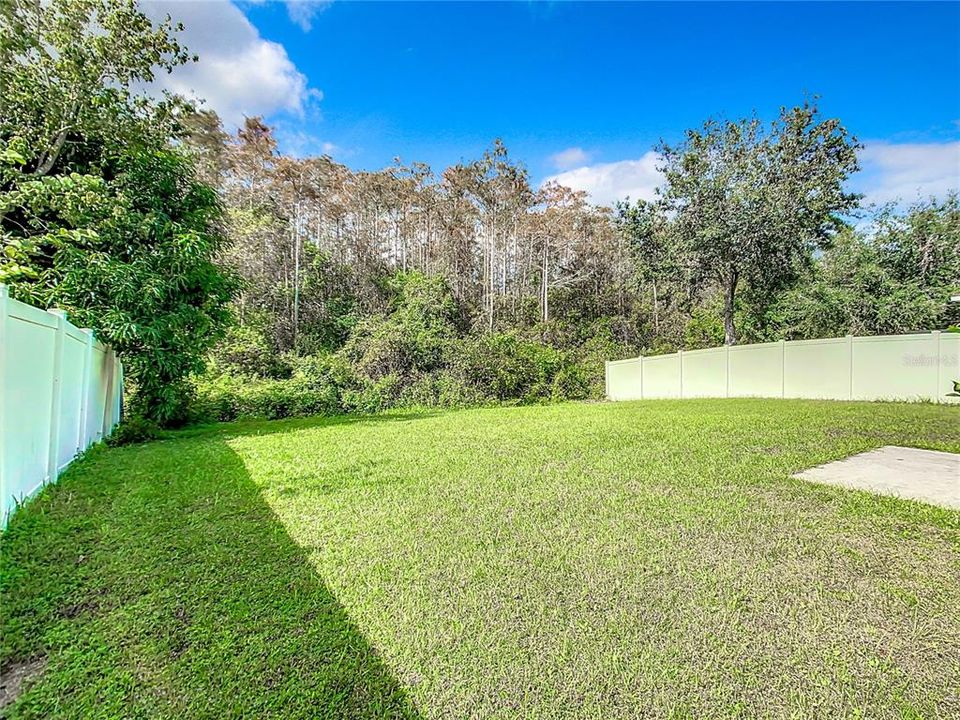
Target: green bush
(229, 397)
(318, 385)
(135, 429)
(374, 396)
(175, 397)
(245, 351)
(589, 360)
(504, 367)
(572, 382)
(414, 356)
(412, 339)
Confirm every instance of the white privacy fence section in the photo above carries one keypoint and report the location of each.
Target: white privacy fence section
(60, 392)
(887, 367)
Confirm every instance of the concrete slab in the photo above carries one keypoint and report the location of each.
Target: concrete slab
(926, 475)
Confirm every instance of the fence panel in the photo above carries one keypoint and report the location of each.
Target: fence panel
(705, 373)
(818, 369)
(756, 370)
(892, 367)
(922, 366)
(625, 379)
(59, 389)
(28, 343)
(97, 399)
(661, 376)
(71, 394)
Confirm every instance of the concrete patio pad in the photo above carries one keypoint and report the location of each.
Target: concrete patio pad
(926, 475)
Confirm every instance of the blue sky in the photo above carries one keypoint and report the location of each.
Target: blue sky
(583, 90)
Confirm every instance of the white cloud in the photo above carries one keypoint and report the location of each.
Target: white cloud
(302, 12)
(606, 183)
(907, 171)
(238, 73)
(570, 158)
(299, 143)
(890, 173)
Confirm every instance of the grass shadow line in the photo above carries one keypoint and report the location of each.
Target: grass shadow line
(163, 585)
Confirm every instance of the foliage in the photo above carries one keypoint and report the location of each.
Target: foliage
(328, 303)
(411, 339)
(412, 356)
(751, 206)
(244, 350)
(505, 367)
(470, 288)
(232, 397)
(99, 214)
(896, 279)
(73, 73)
(132, 257)
(314, 385)
(420, 351)
(131, 430)
(474, 371)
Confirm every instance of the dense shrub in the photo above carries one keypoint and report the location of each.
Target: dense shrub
(415, 355)
(233, 397)
(504, 367)
(318, 385)
(245, 351)
(475, 371)
(412, 338)
(588, 364)
(135, 429)
(374, 396)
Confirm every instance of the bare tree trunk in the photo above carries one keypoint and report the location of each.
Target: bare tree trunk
(656, 310)
(492, 284)
(544, 286)
(730, 290)
(50, 155)
(296, 276)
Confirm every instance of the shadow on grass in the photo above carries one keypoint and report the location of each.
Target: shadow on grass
(155, 581)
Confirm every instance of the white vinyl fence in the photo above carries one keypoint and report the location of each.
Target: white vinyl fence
(887, 367)
(60, 392)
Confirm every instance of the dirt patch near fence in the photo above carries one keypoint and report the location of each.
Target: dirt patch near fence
(15, 676)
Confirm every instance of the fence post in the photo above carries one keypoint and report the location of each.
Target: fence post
(680, 366)
(938, 390)
(850, 355)
(56, 400)
(4, 294)
(106, 425)
(783, 368)
(726, 357)
(606, 379)
(85, 390)
(640, 358)
(118, 404)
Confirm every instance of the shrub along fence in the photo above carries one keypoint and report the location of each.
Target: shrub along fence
(888, 367)
(60, 392)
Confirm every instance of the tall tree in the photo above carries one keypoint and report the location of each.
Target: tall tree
(894, 276)
(657, 263)
(752, 204)
(99, 213)
(72, 72)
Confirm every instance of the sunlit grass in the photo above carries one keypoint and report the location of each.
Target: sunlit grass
(608, 560)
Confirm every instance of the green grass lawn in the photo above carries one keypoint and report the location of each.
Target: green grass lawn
(646, 559)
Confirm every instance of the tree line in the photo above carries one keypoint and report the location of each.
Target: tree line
(507, 249)
(234, 279)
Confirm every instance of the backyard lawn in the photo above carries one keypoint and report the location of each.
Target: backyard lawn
(642, 559)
